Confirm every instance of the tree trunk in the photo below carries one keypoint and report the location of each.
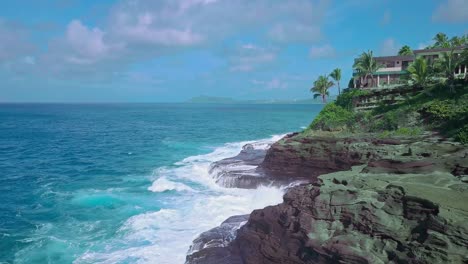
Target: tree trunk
(339, 90)
(323, 99)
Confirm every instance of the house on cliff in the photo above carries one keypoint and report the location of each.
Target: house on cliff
(393, 68)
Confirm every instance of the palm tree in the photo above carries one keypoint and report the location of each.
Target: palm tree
(464, 60)
(321, 86)
(405, 51)
(441, 41)
(447, 65)
(366, 65)
(456, 41)
(336, 75)
(419, 72)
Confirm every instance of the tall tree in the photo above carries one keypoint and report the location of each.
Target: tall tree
(405, 51)
(447, 65)
(441, 41)
(419, 72)
(321, 86)
(456, 41)
(366, 65)
(336, 75)
(464, 60)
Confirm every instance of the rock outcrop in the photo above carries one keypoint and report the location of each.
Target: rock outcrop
(353, 217)
(211, 245)
(298, 157)
(367, 200)
(241, 171)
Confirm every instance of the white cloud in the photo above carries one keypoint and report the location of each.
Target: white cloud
(134, 31)
(325, 51)
(145, 30)
(451, 11)
(189, 22)
(13, 42)
(249, 57)
(389, 47)
(295, 32)
(86, 42)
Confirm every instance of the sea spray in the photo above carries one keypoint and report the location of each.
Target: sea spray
(77, 178)
(164, 236)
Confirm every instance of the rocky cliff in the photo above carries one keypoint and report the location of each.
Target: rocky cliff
(367, 200)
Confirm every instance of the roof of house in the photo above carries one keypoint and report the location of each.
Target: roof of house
(395, 58)
(402, 58)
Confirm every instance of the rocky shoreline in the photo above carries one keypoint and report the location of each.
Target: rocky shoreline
(361, 200)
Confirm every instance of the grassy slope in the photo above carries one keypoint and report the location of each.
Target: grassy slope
(434, 109)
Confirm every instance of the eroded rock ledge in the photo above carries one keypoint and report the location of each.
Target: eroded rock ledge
(404, 201)
(304, 157)
(353, 217)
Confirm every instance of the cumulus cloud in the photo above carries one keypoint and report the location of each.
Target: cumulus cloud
(81, 52)
(293, 32)
(188, 22)
(451, 11)
(14, 42)
(249, 57)
(135, 31)
(325, 51)
(144, 29)
(389, 47)
(86, 44)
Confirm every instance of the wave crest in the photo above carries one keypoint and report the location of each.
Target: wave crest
(163, 184)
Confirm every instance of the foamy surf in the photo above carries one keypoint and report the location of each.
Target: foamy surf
(163, 184)
(164, 236)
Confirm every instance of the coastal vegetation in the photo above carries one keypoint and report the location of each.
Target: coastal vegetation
(321, 87)
(366, 65)
(436, 101)
(336, 75)
(405, 51)
(442, 41)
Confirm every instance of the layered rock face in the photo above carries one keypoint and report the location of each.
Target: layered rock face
(376, 201)
(302, 157)
(211, 245)
(353, 217)
(241, 171)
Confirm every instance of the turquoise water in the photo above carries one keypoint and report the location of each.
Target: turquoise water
(124, 183)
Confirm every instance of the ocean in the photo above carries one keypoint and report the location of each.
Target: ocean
(125, 183)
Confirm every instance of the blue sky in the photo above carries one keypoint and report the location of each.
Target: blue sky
(172, 50)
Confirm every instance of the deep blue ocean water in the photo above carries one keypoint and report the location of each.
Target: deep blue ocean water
(124, 183)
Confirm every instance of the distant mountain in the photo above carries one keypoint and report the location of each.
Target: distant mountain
(211, 100)
(228, 100)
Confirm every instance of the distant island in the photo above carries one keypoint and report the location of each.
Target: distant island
(227, 100)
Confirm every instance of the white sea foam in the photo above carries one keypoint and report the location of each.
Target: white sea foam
(163, 184)
(164, 236)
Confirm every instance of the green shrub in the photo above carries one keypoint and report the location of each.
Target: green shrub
(405, 131)
(384, 134)
(440, 109)
(332, 117)
(346, 99)
(388, 121)
(462, 135)
(402, 131)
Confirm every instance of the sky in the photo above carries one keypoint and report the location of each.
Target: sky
(172, 50)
